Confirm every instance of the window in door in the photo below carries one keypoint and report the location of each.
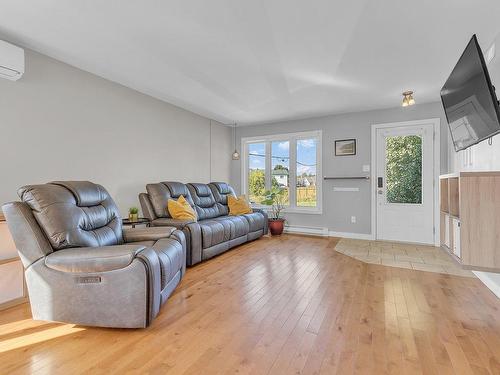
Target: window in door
(404, 169)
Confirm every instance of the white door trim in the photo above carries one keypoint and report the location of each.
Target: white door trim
(437, 163)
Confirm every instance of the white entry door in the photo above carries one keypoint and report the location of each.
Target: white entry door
(404, 184)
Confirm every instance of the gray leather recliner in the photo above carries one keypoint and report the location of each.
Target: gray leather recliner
(81, 267)
(215, 231)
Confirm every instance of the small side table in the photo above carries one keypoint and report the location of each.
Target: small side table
(139, 221)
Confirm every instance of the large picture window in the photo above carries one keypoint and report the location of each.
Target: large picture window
(257, 171)
(286, 161)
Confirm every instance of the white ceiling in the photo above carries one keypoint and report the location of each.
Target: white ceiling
(258, 61)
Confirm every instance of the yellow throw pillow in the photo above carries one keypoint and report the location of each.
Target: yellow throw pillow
(181, 209)
(238, 205)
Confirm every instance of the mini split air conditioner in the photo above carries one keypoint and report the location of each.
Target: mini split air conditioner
(11, 61)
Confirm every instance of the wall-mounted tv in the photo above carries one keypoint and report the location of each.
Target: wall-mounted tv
(469, 100)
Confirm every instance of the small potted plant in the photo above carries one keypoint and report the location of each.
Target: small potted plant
(133, 214)
(276, 198)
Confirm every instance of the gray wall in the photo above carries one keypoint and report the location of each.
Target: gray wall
(338, 207)
(59, 122)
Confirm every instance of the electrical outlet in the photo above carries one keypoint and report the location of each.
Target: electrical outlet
(353, 219)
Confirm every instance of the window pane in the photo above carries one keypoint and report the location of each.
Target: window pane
(256, 172)
(404, 169)
(306, 173)
(280, 166)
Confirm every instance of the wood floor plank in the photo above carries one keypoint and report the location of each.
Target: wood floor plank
(281, 305)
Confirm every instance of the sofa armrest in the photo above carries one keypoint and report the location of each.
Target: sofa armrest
(192, 232)
(266, 218)
(169, 222)
(93, 259)
(180, 236)
(194, 246)
(147, 207)
(261, 211)
(147, 234)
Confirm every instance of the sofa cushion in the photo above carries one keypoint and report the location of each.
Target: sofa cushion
(74, 213)
(214, 232)
(147, 234)
(93, 259)
(170, 222)
(256, 221)
(221, 191)
(204, 201)
(158, 196)
(238, 225)
(161, 192)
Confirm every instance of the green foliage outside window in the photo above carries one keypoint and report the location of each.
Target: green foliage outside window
(404, 169)
(256, 185)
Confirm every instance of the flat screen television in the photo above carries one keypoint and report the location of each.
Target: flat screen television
(469, 100)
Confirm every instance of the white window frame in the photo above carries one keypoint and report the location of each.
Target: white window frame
(292, 138)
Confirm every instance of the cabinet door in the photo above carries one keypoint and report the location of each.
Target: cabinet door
(442, 228)
(456, 237)
(447, 231)
(480, 219)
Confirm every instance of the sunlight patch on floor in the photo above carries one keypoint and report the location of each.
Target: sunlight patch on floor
(19, 325)
(38, 337)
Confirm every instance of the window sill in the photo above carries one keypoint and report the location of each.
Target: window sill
(291, 210)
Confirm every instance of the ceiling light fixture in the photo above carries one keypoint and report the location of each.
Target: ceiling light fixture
(236, 154)
(408, 98)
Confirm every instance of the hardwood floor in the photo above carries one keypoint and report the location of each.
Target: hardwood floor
(284, 305)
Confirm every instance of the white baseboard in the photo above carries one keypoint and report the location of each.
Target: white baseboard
(314, 231)
(356, 236)
(487, 280)
(320, 231)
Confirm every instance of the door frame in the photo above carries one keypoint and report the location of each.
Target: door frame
(436, 122)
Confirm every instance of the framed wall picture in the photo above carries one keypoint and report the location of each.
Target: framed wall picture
(345, 147)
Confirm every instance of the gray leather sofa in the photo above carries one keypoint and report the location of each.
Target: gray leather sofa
(215, 231)
(82, 267)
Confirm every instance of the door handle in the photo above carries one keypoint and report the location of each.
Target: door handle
(380, 182)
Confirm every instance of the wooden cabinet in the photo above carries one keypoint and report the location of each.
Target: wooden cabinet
(470, 218)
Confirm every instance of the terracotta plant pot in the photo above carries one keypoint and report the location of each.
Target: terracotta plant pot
(276, 226)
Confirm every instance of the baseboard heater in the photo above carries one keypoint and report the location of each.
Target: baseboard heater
(317, 231)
